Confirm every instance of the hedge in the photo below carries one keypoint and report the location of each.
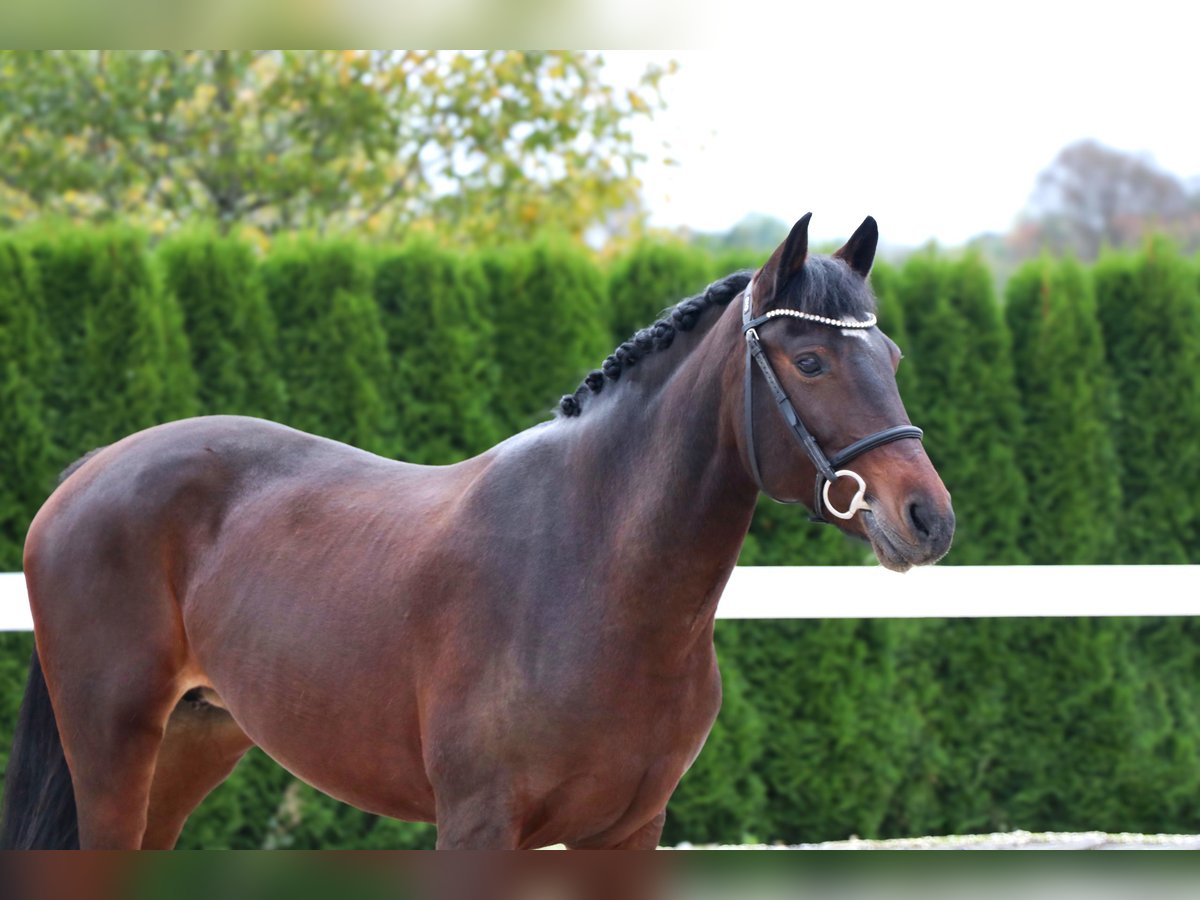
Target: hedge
(1062, 418)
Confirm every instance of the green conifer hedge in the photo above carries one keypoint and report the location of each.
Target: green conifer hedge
(1063, 420)
(548, 304)
(229, 323)
(1069, 406)
(648, 279)
(1149, 310)
(440, 340)
(27, 364)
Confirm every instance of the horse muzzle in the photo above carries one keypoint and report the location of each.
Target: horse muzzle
(919, 533)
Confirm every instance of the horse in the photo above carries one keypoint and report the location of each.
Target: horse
(517, 647)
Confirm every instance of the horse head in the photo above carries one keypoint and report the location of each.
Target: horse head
(824, 423)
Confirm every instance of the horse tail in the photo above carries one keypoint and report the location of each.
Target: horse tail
(39, 800)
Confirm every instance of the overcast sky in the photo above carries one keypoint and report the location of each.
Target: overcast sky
(936, 123)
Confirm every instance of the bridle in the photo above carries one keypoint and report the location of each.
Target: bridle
(828, 470)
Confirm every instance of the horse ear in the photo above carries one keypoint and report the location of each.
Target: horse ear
(859, 252)
(785, 262)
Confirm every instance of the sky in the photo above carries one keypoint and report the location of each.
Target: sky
(934, 119)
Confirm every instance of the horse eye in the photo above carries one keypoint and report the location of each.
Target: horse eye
(809, 365)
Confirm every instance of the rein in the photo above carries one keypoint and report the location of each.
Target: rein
(828, 470)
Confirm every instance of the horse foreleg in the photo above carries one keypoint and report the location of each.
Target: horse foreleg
(645, 838)
(482, 823)
(484, 835)
(201, 747)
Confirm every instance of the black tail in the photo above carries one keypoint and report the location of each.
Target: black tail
(39, 800)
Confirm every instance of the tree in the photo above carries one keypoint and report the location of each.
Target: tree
(435, 313)
(310, 820)
(63, 260)
(229, 324)
(781, 535)
(1031, 724)
(488, 144)
(350, 402)
(548, 303)
(1149, 309)
(134, 354)
(936, 348)
(24, 329)
(1158, 775)
(27, 361)
(959, 387)
(301, 276)
(885, 283)
(1093, 196)
(25, 460)
(990, 498)
(125, 362)
(836, 730)
(332, 344)
(1069, 406)
(650, 277)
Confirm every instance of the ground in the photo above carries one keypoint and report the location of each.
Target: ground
(1016, 840)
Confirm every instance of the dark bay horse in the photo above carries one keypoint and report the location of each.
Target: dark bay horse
(518, 647)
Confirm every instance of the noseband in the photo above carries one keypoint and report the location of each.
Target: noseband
(828, 470)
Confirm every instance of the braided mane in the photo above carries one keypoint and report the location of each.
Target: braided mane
(825, 287)
(659, 336)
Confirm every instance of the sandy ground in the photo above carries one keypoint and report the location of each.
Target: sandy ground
(1016, 840)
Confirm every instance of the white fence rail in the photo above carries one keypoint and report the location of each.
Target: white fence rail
(833, 592)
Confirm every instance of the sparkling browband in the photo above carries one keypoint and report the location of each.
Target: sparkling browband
(869, 322)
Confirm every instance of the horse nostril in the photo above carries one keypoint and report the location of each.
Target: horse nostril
(917, 517)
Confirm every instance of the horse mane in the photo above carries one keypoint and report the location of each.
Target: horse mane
(824, 287)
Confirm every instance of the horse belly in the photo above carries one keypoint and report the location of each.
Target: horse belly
(362, 750)
(318, 678)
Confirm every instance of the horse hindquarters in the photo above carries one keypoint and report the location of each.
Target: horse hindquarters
(200, 749)
(141, 756)
(113, 685)
(112, 647)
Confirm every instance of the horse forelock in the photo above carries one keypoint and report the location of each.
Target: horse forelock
(827, 287)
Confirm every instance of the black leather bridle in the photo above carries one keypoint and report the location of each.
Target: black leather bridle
(828, 470)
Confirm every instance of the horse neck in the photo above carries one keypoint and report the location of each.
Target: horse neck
(678, 499)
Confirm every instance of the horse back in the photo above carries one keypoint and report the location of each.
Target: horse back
(160, 500)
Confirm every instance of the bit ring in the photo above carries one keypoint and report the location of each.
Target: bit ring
(856, 503)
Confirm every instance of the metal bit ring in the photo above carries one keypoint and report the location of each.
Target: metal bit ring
(856, 503)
